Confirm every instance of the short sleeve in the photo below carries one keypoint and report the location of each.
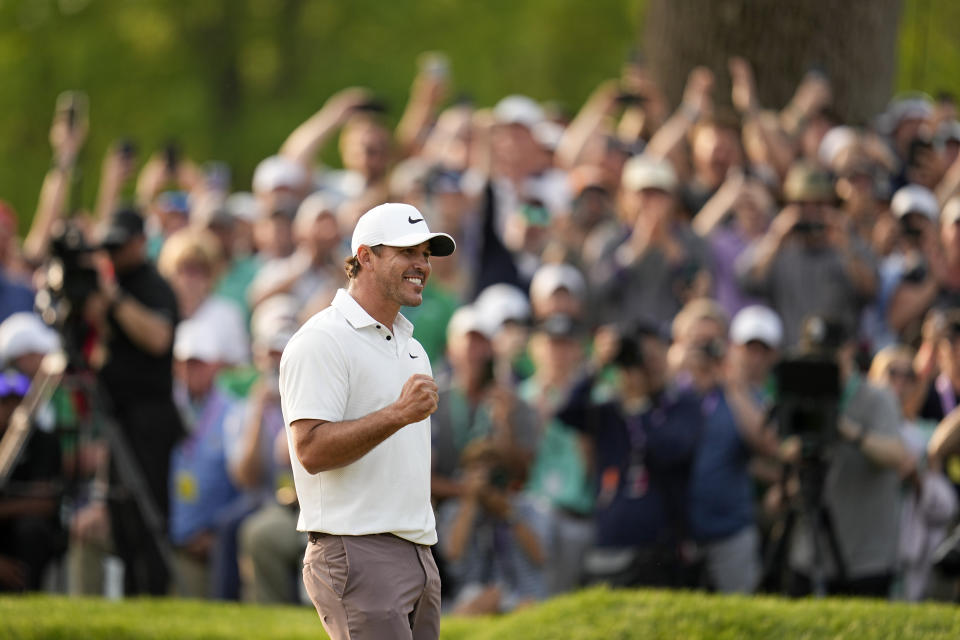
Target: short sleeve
(883, 412)
(314, 378)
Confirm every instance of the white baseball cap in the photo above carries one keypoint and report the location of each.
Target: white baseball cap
(836, 140)
(517, 109)
(551, 277)
(198, 340)
(758, 323)
(278, 172)
(24, 332)
(503, 302)
(398, 225)
(914, 198)
(274, 321)
(468, 319)
(644, 172)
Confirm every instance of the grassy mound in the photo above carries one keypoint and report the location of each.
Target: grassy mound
(599, 614)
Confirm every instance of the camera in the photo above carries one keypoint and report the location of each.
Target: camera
(69, 280)
(808, 388)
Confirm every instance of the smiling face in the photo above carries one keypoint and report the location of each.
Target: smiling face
(400, 273)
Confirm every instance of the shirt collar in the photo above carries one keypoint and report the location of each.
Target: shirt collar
(359, 318)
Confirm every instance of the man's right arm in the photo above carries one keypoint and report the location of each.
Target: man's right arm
(146, 328)
(321, 445)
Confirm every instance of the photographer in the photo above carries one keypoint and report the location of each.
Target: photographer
(860, 483)
(912, 275)
(808, 242)
(642, 443)
(137, 332)
(721, 508)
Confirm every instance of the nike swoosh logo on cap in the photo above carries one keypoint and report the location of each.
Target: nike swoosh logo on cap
(412, 221)
(412, 356)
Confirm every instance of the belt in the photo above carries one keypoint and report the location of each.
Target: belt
(315, 536)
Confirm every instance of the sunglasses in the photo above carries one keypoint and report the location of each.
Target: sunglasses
(903, 373)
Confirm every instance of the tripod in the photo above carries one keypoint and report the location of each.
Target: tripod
(54, 373)
(811, 508)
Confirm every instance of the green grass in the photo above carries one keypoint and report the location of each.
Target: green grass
(594, 614)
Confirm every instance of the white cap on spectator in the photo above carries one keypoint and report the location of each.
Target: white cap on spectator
(278, 172)
(398, 225)
(834, 141)
(910, 106)
(197, 340)
(312, 207)
(468, 319)
(242, 206)
(549, 278)
(24, 332)
(517, 109)
(758, 323)
(274, 321)
(951, 211)
(914, 198)
(503, 302)
(547, 134)
(645, 172)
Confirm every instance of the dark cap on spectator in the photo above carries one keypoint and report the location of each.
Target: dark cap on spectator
(806, 183)
(560, 325)
(124, 225)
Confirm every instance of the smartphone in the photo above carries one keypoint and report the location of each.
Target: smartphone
(434, 63)
(72, 106)
(217, 176)
(127, 148)
(635, 57)
(629, 99)
(171, 156)
(372, 106)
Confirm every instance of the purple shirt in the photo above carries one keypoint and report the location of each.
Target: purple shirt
(727, 244)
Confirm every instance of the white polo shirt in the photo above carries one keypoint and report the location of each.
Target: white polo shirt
(343, 365)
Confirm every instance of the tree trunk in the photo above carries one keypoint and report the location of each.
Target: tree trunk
(854, 43)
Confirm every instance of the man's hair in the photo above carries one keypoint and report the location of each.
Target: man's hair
(190, 245)
(352, 264)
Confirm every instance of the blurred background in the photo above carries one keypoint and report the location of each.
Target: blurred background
(229, 79)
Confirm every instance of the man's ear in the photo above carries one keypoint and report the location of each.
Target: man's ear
(363, 255)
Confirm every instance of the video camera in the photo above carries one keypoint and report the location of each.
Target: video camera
(69, 280)
(808, 388)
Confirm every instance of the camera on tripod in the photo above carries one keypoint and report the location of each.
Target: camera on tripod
(70, 278)
(809, 388)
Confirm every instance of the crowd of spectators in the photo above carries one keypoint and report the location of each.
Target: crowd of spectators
(605, 339)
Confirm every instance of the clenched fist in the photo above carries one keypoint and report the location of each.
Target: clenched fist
(418, 399)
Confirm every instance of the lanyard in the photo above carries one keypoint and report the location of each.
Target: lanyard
(208, 417)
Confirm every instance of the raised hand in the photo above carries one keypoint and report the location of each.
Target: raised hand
(744, 90)
(698, 94)
(418, 399)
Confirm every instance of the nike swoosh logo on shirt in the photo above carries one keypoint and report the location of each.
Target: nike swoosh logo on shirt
(412, 221)
(412, 356)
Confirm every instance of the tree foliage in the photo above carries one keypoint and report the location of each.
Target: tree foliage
(230, 78)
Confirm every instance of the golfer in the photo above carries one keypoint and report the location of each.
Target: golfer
(357, 393)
